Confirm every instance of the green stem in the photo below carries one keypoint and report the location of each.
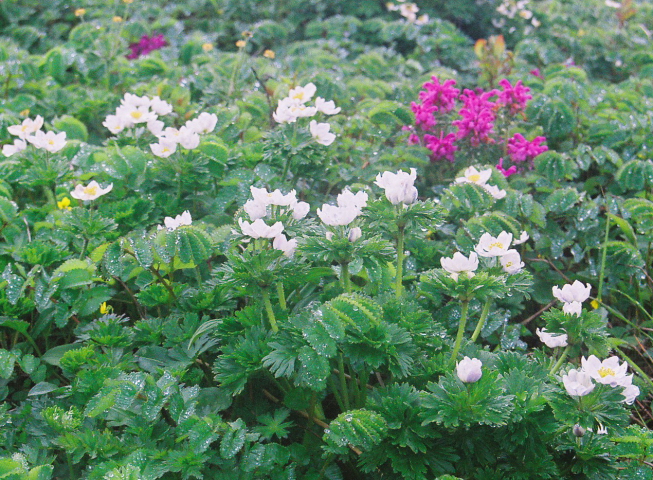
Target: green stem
(334, 389)
(268, 308)
(50, 196)
(343, 382)
(400, 262)
(634, 366)
(604, 254)
(481, 321)
(232, 81)
(561, 360)
(81, 255)
(282, 296)
(344, 276)
(461, 332)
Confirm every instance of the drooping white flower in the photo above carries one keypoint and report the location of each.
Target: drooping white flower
(188, 138)
(511, 262)
(328, 108)
(320, 133)
(489, 246)
(26, 128)
(469, 370)
(114, 124)
(472, 175)
(164, 148)
(576, 292)
(608, 371)
(552, 340)
(52, 142)
(160, 107)
(302, 94)
(11, 148)
(346, 199)
(522, 238)
(90, 192)
(577, 383)
(259, 229)
(334, 216)
(300, 210)
(354, 234)
(255, 209)
(180, 220)
(459, 263)
(288, 247)
(495, 191)
(630, 393)
(573, 308)
(204, 123)
(399, 187)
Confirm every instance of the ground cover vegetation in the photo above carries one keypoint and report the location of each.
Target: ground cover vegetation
(326, 239)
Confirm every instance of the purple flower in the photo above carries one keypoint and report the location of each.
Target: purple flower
(146, 45)
(442, 146)
(478, 117)
(521, 150)
(424, 115)
(536, 73)
(515, 97)
(506, 173)
(443, 96)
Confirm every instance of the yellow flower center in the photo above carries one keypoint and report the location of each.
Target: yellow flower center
(165, 150)
(24, 128)
(298, 96)
(474, 178)
(508, 264)
(90, 190)
(498, 245)
(136, 114)
(605, 371)
(50, 142)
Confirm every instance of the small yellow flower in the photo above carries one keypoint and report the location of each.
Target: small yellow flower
(117, 19)
(594, 304)
(241, 43)
(64, 204)
(104, 308)
(269, 54)
(207, 47)
(24, 113)
(79, 12)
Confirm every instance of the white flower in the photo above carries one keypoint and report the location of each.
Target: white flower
(52, 142)
(259, 229)
(302, 94)
(328, 108)
(607, 372)
(188, 138)
(160, 107)
(288, 247)
(205, 123)
(495, 191)
(320, 132)
(164, 148)
(578, 383)
(631, 392)
(348, 199)
(274, 198)
(573, 308)
(114, 124)
(522, 238)
(300, 210)
(601, 430)
(552, 340)
(131, 115)
(354, 234)
(332, 215)
(576, 292)
(422, 20)
(511, 262)
(131, 100)
(471, 175)
(611, 4)
(155, 127)
(399, 187)
(255, 209)
(172, 134)
(469, 370)
(90, 192)
(488, 246)
(459, 264)
(18, 146)
(283, 113)
(409, 10)
(173, 223)
(26, 128)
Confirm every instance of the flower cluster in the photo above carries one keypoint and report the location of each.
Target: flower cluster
(480, 178)
(348, 207)
(573, 297)
(515, 8)
(487, 247)
(263, 204)
(579, 383)
(444, 127)
(295, 106)
(146, 45)
(399, 187)
(408, 11)
(30, 131)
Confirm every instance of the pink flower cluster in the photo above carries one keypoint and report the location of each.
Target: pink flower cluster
(146, 45)
(442, 126)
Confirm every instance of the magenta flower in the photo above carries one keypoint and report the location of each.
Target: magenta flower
(443, 96)
(521, 150)
(478, 117)
(536, 73)
(442, 146)
(424, 115)
(146, 45)
(515, 97)
(506, 173)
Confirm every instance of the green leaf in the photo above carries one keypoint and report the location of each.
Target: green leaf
(7, 361)
(42, 388)
(75, 130)
(561, 200)
(313, 370)
(361, 429)
(233, 440)
(625, 227)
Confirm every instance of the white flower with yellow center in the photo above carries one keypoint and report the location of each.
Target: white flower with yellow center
(114, 124)
(164, 148)
(321, 134)
(459, 263)
(328, 108)
(259, 229)
(90, 192)
(511, 262)
(302, 94)
(471, 175)
(26, 128)
(489, 246)
(52, 142)
(131, 115)
(607, 372)
(552, 340)
(578, 383)
(10, 149)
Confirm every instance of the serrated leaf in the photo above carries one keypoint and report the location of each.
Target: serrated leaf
(233, 440)
(361, 429)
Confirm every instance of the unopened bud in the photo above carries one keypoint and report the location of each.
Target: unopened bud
(579, 431)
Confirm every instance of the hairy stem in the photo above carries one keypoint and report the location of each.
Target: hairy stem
(282, 296)
(400, 262)
(461, 332)
(561, 360)
(344, 276)
(481, 321)
(343, 382)
(270, 311)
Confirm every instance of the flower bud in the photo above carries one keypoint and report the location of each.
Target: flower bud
(579, 431)
(469, 370)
